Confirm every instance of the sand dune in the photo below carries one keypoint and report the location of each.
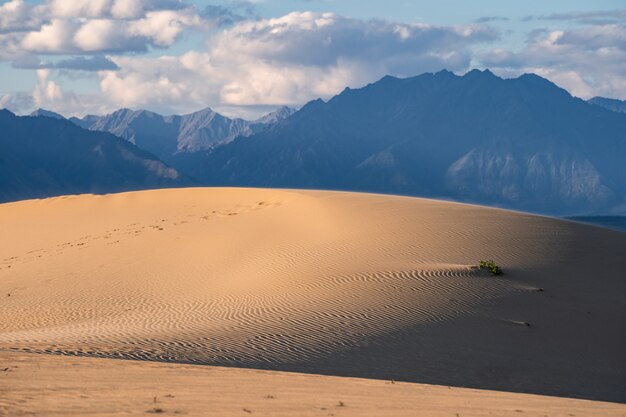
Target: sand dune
(319, 282)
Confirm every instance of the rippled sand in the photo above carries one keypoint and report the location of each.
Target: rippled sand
(318, 282)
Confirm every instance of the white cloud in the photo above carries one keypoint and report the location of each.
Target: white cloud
(305, 55)
(267, 62)
(99, 35)
(77, 26)
(587, 61)
(127, 9)
(55, 36)
(17, 102)
(15, 16)
(48, 94)
(144, 81)
(117, 9)
(289, 60)
(321, 38)
(79, 8)
(284, 60)
(164, 26)
(46, 91)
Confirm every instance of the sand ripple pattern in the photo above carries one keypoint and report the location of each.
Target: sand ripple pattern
(241, 277)
(315, 320)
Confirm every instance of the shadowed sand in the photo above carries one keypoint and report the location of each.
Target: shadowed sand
(319, 282)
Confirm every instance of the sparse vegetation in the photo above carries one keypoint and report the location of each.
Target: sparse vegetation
(490, 266)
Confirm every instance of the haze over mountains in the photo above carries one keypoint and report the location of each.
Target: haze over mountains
(44, 156)
(610, 104)
(47, 113)
(166, 136)
(519, 143)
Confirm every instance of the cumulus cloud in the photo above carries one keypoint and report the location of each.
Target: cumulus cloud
(589, 60)
(290, 60)
(55, 36)
(249, 62)
(321, 38)
(117, 9)
(9, 46)
(21, 102)
(79, 8)
(46, 91)
(48, 94)
(77, 26)
(163, 27)
(16, 16)
(143, 80)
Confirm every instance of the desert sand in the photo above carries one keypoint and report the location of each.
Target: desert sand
(331, 283)
(56, 386)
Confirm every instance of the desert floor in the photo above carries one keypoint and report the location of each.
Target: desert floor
(48, 385)
(326, 283)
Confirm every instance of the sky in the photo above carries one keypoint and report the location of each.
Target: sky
(245, 58)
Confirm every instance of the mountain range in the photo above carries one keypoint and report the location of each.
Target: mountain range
(48, 156)
(520, 143)
(166, 136)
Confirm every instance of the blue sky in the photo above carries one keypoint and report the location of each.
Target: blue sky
(246, 57)
(438, 12)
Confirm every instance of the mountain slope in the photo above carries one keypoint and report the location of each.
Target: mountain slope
(610, 104)
(43, 156)
(274, 117)
(520, 143)
(46, 113)
(166, 136)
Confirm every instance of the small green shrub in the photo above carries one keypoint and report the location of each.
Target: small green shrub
(490, 266)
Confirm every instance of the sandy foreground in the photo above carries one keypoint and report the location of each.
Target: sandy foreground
(317, 282)
(70, 386)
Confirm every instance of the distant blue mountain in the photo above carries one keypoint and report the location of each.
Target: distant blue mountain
(166, 136)
(46, 113)
(519, 143)
(44, 156)
(610, 104)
